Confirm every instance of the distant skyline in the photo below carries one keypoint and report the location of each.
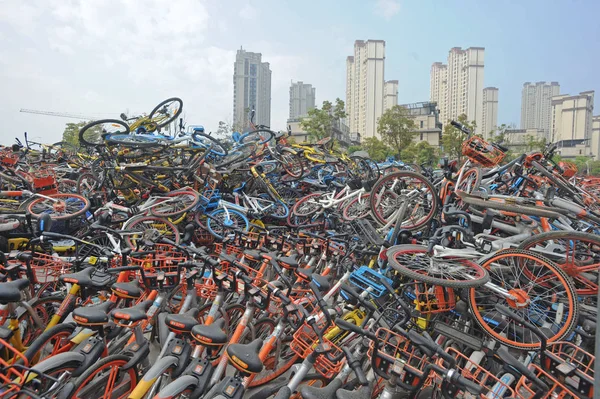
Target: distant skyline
(103, 58)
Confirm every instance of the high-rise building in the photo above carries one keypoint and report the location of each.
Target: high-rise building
(595, 140)
(302, 99)
(536, 105)
(251, 89)
(390, 94)
(365, 87)
(457, 86)
(489, 118)
(571, 124)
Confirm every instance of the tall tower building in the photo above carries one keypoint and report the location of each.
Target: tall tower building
(390, 94)
(365, 87)
(302, 99)
(536, 105)
(251, 89)
(490, 111)
(457, 86)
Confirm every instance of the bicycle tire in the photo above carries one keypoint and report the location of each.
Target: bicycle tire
(173, 117)
(29, 331)
(183, 202)
(131, 140)
(57, 336)
(405, 258)
(583, 274)
(153, 222)
(93, 138)
(56, 209)
(116, 362)
(259, 136)
(292, 163)
(355, 206)
(485, 319)
(215, 145)
(470, 183)
(425, 198)
(270, 370)
(242, 220)
(300, 210)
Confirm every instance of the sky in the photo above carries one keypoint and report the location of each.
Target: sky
(104, 57)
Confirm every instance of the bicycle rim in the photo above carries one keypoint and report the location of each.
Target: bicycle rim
(546, 298)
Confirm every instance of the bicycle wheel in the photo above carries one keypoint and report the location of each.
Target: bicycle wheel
(362, 169)
(389, 192)
(279, 359)
(59, 206)
(414, 262)
(357, 208)
(577, 254)
(469, 183)
(238, 154)
(146, 230)
(44, 308)
(51, 342)
(88, 184)
(131, 140)
(206, 141)
(166, 112)
(545, 297)
(307, 206)
(91, 134)
(221, 221)
(176, 203)
(106, 379)
(260, 136)
(292, 163)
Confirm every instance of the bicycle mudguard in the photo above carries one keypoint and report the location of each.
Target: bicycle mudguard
(229, 388)
(202, 370)
(182, 351)
(177, 387)
(458, 336)
(67, 359)
(91, 349)
(137, 353)
(157, 369)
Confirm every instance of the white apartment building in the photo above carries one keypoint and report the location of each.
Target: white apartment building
(365, 87)
(426, 118)
(518, 139)
(251, 89)
(489, 118)
(536, 105)
(457, 86)
(390, 94)
(302, 99)
(571, 124)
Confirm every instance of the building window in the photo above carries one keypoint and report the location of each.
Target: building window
(421, 126)
(421, 133)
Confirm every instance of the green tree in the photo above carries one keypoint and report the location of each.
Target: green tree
(71, 133)
(224, 129)
(453, 138)
(377, 149)
(533, 143)
(354, 148)
(320, 121)
(420, 153)
(397, 128)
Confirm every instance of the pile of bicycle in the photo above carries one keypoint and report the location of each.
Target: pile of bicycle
(143, 264)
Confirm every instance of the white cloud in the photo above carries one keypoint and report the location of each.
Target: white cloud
(387, 8)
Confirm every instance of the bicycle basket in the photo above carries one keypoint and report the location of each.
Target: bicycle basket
(480, 151)
(304, 343)
(526, 389)
(366, 278)
(394, 348)
(159, 265)
(479, 375)
(45, 183)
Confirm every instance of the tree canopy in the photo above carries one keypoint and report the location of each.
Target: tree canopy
(320, 121)
(397, 128)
